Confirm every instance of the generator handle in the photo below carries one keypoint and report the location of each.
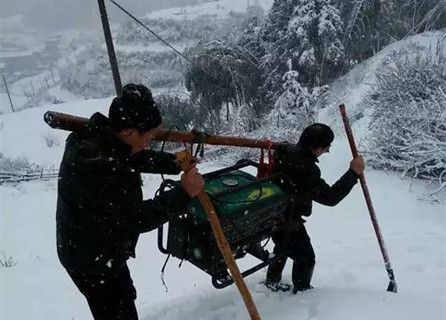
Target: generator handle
(160, 240)
(240, 164)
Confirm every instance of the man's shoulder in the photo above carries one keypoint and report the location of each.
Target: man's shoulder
(295, 157)
(80, 145)
(80, 139)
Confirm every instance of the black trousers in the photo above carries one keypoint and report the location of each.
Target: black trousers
(297, 246)
(110, 294)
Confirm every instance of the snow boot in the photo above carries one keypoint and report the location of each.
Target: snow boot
(302, 274)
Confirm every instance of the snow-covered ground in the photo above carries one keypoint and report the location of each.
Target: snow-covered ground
(350, 279)
(25, 135)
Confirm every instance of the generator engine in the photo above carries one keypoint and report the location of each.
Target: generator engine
(249, 210)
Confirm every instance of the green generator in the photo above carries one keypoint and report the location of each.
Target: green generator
(249, 210)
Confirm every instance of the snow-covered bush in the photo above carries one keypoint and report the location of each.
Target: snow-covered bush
(88, 73)
(8, 164)
(7, 261)
(51, 140)
(408, 122)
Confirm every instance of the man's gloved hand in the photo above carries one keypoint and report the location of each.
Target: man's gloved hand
(192, 182)
(357, 165)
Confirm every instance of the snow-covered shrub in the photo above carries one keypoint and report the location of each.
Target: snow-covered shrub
(408, 124)
(8, 164)
(87, 73)
(7, 261)
(51, 140)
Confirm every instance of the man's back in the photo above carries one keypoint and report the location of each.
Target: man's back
(298, 174)
(95, 184)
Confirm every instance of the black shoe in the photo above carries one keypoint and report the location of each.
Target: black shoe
(278, 286)
(300, 289)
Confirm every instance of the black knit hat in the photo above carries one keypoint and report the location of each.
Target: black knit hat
(134, 109)
(316, 135)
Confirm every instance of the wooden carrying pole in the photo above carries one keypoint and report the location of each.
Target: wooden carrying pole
(183, 157)
(392, 287)
(73, 123)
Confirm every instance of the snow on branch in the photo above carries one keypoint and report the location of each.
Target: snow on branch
(408, 123)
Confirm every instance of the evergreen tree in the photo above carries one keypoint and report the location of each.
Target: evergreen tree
(314, 39)
(295, 106)
(274, 42)
(222, 75)
(309, 32)
(250, 39)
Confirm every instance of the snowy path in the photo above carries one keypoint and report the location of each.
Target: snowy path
(350, 278)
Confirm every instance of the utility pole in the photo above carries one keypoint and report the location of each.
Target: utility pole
(52, 74)
(110, 47)
(7, 92)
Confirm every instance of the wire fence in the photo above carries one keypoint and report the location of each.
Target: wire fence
(22, 93)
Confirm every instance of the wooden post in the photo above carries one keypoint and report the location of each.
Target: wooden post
(183, 157)
(32, 87)
(110, 47)
(7, 92)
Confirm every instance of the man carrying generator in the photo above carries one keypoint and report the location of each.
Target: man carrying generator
(100, 207)
(299, 176)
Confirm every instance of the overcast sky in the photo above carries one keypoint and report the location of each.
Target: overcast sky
(53, 15)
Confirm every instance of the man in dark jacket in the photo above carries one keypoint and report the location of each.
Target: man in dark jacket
(299, 176)
(100, 206)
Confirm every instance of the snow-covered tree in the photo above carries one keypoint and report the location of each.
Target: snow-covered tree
(222, 75)
(250, 38)
(314, 39)
(295, 105)
(309, 32)
(372, 24)
(274, 42)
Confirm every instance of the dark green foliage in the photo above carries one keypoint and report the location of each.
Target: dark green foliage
(177, 112)
(221, 74)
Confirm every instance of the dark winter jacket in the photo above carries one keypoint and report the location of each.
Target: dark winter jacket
(100, 207)
(298, 174)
